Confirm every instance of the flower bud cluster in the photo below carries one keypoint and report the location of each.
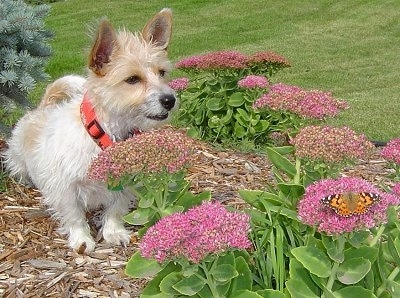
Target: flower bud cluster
(313, 104)
(154, 151)
(330, 144)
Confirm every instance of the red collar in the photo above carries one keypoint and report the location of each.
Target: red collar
(92, 125)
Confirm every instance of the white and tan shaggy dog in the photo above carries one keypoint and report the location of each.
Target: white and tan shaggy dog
(125, 92)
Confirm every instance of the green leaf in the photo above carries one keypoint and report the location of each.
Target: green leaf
(236, 99)
(353, 270)
(243, 114)
(298, 272)
(367, 252)
(140, 267)
(228, 117)
(139, 216)
(245, 294)
(299, 289)
(224, 272)
(243, 281)
(261, 126)
(215, 104)
(189, 286)
(332, 250)
(291, 190)
(394, 249)
(239, 130)
(281, 162)
(354, 291)
(254, 197)
(168, 281)
(189, 200)
(146, 201)
(359, 237)
(152, 289)
(269, 293)
(313, 259)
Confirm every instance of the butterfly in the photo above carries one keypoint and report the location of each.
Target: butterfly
(350, 203)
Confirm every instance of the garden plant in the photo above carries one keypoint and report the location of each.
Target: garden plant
(312, 233)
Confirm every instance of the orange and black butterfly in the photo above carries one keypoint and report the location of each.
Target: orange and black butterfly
(350, 203)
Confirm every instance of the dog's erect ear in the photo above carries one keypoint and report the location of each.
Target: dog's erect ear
(102, 47)
(158, 30)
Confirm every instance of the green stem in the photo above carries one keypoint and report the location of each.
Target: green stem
(340, 242)
(378, 235)
(391, 276)
(298, 171)
(210, 281)
(332, 277)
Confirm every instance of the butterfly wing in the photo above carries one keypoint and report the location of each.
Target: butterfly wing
(365, 201)
(339, 204)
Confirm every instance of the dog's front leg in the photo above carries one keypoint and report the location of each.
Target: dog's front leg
(72, 215)
(113, 227)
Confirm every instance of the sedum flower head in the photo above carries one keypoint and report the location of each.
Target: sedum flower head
(313, 104)
(154, 151)
(179, 84)
(253, 81)
(331, 144)
(214, 60)
(396, 190)
(268, 58)
(391, 151)
(200, 231)
(312, 211)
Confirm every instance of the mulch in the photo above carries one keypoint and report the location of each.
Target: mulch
(35, 260)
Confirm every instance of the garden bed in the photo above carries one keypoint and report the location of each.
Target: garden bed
(35, 260)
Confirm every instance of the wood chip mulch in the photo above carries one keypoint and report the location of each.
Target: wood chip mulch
(35, 260)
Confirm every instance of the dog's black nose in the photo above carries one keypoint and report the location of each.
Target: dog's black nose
(168, 101)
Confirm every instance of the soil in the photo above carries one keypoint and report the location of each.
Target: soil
(35, 261)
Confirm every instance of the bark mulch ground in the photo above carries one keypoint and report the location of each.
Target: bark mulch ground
(35, 260)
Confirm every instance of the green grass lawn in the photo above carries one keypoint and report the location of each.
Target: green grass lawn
(350, 48)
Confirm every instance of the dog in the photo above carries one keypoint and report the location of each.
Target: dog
(125, 92)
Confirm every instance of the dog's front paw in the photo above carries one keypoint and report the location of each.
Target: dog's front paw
(115, 233)
(81, 242)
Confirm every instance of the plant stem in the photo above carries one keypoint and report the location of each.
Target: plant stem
(340, 246)
(391, 276)
(378, 235)
(210, 281)
(298, 171)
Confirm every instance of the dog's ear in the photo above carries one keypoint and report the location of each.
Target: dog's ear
(158, 30)
(102, 47)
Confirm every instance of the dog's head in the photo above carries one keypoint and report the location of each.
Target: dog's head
(128, 76)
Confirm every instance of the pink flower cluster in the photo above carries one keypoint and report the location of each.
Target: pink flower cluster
(153, 151)
(391, 151)
(231, 60)
(253, 81)
(214, 60)
(200, 231)
(268, 58)
(311, 104)
(179, 84)
(396, 189)
(312, 211)
(331, 144)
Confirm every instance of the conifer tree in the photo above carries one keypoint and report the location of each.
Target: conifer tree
(24, 53)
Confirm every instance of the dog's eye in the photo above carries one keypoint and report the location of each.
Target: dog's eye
(133, 80)
(162, 73)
